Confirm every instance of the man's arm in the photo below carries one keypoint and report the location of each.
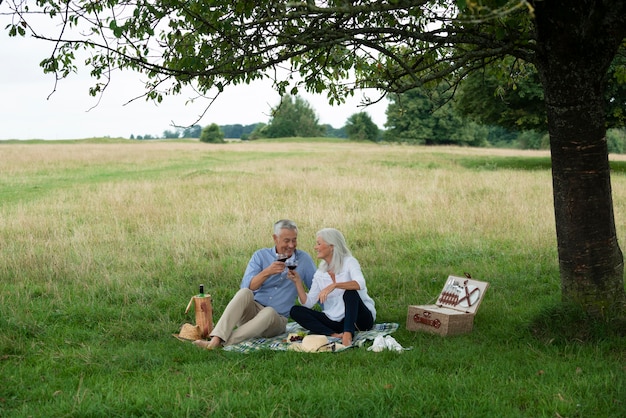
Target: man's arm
(258, 270)
(257, 281)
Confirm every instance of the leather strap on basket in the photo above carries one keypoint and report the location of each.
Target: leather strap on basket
(436, 323)
(468, 294)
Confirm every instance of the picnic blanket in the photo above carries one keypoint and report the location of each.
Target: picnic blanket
(280, 343)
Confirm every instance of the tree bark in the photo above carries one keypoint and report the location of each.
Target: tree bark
(577, 43)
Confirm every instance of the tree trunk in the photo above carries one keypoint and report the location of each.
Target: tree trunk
(577, 43)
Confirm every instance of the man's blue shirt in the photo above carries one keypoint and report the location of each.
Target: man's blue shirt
(278, 291)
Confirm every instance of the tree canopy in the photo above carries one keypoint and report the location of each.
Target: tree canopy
(391, 46)
(426, 116)
(514, 103)
(509, 94)
(327, 46)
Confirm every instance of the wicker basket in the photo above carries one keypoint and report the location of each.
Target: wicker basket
(455, 309)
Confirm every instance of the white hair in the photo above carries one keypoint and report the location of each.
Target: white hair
(335, 239)
(284, 224)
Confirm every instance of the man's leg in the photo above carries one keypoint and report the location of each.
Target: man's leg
(240, 309)
(266, 323)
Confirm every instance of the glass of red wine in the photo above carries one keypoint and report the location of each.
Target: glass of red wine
(281, 257)
(292, 264)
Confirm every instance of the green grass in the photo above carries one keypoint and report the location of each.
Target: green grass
(103, 242)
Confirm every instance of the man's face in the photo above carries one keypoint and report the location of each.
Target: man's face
(286, 241)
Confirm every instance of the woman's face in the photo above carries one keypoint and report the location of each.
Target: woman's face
(323, 250)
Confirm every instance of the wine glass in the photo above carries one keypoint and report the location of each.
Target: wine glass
(281, 257)
(291, 264)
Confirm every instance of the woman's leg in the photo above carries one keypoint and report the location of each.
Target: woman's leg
(315, 321)
(358, 317)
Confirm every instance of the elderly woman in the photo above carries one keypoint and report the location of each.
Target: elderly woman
(339, 286)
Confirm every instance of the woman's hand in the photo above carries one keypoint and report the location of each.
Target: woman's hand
(324, 293)
(293, 276)
(297, 281)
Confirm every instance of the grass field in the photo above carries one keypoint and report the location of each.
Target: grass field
(103, 243)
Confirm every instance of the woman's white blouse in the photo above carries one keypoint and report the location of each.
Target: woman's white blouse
(334, 307)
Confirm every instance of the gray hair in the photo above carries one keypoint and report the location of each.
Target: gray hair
(334, 238)
(284, 224)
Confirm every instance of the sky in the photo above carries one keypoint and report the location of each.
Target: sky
(31, 108)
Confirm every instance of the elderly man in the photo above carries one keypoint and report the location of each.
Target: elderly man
(261, 307)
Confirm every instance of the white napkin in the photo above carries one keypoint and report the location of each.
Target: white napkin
(385, 343)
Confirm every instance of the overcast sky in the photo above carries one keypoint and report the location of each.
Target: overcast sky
(29, 111)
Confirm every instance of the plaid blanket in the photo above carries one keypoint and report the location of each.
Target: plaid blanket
(280, 343)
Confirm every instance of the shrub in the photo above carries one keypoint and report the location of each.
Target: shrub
(213, 134)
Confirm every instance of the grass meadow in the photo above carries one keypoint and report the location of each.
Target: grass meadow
(102, 244)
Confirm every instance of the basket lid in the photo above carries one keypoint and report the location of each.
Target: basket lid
(462, 294)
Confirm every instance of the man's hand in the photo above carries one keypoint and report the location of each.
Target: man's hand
(276, 267)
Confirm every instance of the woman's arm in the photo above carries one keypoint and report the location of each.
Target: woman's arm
(297, 281)
(346, 279)
(351, 285)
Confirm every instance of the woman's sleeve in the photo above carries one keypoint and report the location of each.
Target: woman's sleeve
(314, 292)
(354, 272)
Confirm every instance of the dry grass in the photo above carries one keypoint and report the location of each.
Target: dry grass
(392, 189)
(103, 210)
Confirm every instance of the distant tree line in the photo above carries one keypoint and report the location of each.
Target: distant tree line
(293, 117)
(484, 111)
